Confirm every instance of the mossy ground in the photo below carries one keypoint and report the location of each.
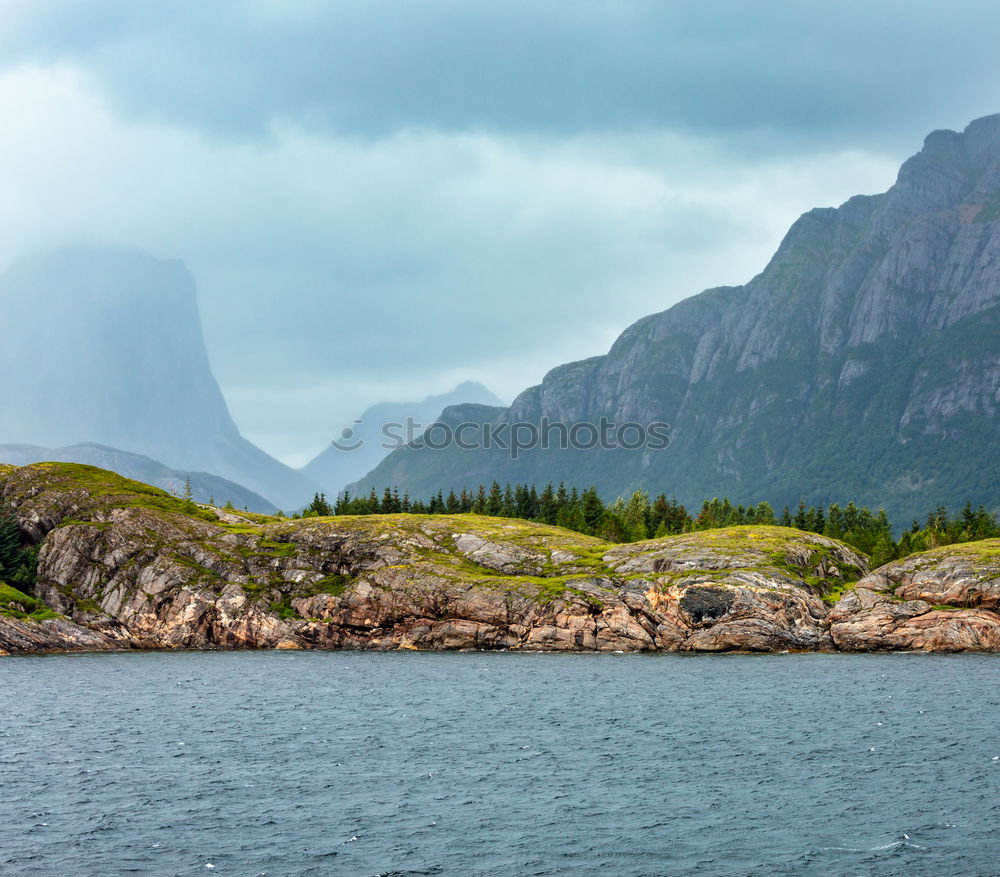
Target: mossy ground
(114, 490)
(784, 551)
(430, 539)
(16, 604)
(986, 553)
(512, 531)
(562, 559)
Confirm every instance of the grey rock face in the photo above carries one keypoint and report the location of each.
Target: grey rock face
(18, 637)
(863, 362)
(940, 600)
(130, 567)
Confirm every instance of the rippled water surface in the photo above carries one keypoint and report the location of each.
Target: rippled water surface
(362, 764)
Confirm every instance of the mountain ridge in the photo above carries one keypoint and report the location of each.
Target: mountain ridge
(863, 361)
(336, 467)
(205, 487)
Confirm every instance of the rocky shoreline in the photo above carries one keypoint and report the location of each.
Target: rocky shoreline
(126, 566)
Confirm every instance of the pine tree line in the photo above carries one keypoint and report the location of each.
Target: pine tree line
(637, 517)
(17, 563)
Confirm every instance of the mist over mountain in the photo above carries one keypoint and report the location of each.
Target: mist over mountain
(361, 443)
(863, 362)
(107, 348)
(205, 487)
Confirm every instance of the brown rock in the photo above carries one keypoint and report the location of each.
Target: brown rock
(131, 568)
(941, 600)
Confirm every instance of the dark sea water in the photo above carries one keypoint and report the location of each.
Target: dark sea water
(268, 763)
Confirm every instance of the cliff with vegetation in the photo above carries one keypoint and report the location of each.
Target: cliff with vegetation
(863, 363)
(120, 565)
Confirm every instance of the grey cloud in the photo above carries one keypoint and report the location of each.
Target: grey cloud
(430, 257)
(382, 198)
(326, 264)
(833, 71)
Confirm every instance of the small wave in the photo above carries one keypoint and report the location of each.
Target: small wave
(896, 844)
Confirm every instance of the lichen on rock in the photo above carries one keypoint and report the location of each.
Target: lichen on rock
(123, 565)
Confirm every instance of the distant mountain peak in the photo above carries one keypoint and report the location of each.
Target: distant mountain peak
(335, 467)
(108, 346)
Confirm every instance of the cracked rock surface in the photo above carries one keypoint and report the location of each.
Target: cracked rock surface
(123, 565)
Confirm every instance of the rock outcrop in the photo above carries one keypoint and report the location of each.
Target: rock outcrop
(941, 600)
(29, 637)
(125, 565)
(863, 363)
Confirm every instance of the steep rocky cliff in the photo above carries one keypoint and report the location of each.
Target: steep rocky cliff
(124, 565)
(863, 362)
(107, 348)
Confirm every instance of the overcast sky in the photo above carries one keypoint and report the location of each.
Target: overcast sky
(381, 198)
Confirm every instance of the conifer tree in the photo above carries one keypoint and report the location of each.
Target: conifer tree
(816, 520)
(592, 508)
(611, 527)
(801, 517)
(562, 498)
(522, 502)
(764, 514)
(635, 515)
(850, 517)
(707, 516)
(10, 546)
(657, 513)
(571, 518)
(533, 505)
(318, 508)
(834, 522)
(509, 509)
(494, 502)
(547, 508)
